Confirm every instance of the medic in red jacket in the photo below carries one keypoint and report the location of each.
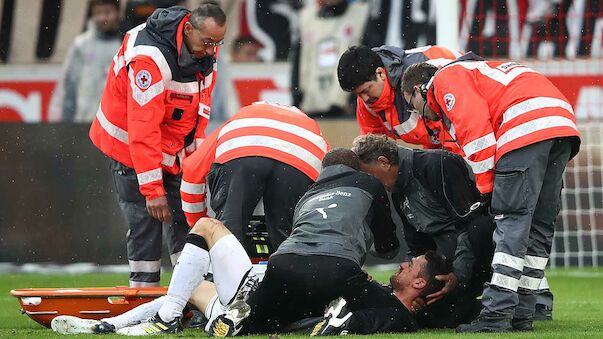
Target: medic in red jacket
(375, 75)
(491, 108)
(274, 131)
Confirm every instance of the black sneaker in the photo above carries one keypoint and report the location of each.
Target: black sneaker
(483, 324)
(153, 326)
(335, 321)
(521, 325)
(196, 320)
(543, 312)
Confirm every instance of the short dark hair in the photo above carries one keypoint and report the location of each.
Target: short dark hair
(207, 10)
(370, 147)
(417, 74)
(356, 66)
(114, 3)
(341, 156)
(436, 264)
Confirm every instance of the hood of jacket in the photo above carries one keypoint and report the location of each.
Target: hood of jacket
(393, 61)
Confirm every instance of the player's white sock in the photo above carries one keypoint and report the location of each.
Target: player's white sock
(231, 264)
(136, 315)
(189, 271)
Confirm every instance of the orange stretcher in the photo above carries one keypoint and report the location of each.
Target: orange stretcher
(43, 304)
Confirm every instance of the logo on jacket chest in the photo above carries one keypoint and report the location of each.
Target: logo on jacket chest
(143, 79)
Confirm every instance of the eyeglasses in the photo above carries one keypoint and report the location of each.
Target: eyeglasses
(411, 107)
(209, 43)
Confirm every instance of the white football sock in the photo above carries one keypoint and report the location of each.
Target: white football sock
(136, 315)
(231, 263)
(189, 271)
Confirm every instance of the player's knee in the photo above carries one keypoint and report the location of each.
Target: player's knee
(205, 227)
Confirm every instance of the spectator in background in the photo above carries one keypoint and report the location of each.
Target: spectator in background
(245, 49)
(326, 31)
(88, 61)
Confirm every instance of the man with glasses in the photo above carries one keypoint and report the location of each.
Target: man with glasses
(153, 112)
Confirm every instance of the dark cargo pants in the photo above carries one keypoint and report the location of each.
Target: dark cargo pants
(144, 237)
(525, 202)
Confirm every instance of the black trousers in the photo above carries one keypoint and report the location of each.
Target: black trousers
(237, 186)
(144, 237)
(299, 286)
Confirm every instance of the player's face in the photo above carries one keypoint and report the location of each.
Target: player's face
(382, 170)
(204, 41)
(370, 91)
(409, 274)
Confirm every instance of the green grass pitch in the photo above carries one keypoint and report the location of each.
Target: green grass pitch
(578, 306)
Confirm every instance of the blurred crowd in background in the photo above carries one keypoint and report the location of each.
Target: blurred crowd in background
(307, 35)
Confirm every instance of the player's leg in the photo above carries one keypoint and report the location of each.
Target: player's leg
(285, 186)
(144, 234)
(236, 188)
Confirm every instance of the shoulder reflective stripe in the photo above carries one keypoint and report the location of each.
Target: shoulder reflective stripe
(190, 188)
(501, 258)
(529, 283)
(143, 97)
(183, 87)
(408, 125)
(155, 54)
(479, 144)
(544, 284)
(417, 49)
(168, 159)
(439, 62)
(111, 129)
(190, 207)
(504, 281)
(538, 263)
(270, 142)
(149, 176)
(493, 73)
(145, 266)
(481, 166)
(292, 109)
(533, 104)
(314, 138)
(534, 126)
(119, 63)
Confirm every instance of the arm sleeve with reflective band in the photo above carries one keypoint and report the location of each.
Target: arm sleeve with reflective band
(146, 109)
(369, 123)
(193, 189)
(469, 114)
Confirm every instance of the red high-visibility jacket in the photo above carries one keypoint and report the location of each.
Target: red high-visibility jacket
(494, 107)
(149, 105)
(262, 129)
(395, 122)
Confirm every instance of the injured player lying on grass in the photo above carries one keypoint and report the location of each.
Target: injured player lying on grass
(389, 312)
